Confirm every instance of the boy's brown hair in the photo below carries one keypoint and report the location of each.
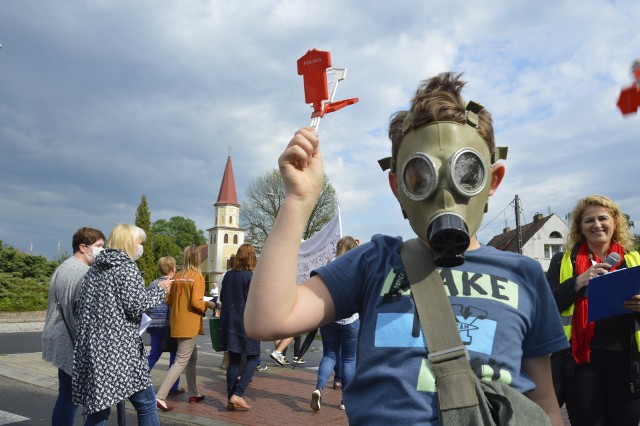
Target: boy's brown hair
(437, 99)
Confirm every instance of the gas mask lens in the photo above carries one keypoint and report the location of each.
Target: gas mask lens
(419, 178)
(468, 172)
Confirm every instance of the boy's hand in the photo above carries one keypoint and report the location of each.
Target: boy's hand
(301, 166)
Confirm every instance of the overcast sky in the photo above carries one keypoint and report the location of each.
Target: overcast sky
(104, 101)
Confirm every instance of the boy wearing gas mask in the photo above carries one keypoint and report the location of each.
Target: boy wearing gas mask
(442, 170)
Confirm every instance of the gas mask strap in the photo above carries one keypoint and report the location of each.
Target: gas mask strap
(472, 109)
(385, 163)
(499, 154)
(407, 124)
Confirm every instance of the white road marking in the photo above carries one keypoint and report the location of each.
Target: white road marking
(8, 418)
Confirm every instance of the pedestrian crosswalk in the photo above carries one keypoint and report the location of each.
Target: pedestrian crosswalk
(9, 418)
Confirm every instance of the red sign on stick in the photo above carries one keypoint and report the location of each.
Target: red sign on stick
(315, 67)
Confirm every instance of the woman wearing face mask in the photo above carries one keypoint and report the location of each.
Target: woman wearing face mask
(59, 331)
(187, 307)
(598, 376)
(110, 362)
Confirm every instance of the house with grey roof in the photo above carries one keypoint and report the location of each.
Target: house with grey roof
(541, 239)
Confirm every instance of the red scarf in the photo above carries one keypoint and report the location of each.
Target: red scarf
(582, 330)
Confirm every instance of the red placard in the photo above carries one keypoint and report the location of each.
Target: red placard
(313, 69)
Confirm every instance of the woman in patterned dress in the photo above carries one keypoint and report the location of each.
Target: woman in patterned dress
(110, 361)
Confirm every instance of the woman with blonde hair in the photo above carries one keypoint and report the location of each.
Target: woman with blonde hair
(598, 377)
(187, 307)
(110, 362)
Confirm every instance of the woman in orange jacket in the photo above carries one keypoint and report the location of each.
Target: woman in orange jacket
(187, 307)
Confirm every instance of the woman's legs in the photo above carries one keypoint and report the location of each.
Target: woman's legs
(172, 360)
(337, 370)
(144, 402)
(246, 375)
(64, 412)
(598, 393)
(192, 386)
(157, 335)
(232, 372)
(155, 352)
(183, 357)
(329, 335)
(349, 348)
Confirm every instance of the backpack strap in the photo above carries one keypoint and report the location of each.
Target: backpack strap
(447, 354)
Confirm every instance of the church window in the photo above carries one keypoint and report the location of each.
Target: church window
(235, 239)
(226, 238)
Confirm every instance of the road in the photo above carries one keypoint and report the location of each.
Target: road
(27, 404)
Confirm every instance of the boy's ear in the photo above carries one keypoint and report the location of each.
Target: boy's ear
(392, 183)
(497, 173)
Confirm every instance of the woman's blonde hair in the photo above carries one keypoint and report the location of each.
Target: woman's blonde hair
(191, 258)
(125, 237)
(345, 244)
(621, 232)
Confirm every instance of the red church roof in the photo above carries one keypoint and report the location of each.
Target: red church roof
(228, 193)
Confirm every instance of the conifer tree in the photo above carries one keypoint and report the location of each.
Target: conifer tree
(147, 263)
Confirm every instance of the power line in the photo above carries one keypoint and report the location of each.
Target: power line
(511, 203)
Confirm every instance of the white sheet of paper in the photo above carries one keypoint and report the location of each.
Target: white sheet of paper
(207, 298)
(144, 323)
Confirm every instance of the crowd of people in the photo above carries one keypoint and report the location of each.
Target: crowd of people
(532, 332)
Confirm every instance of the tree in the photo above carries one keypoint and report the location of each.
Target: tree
(172, 236)
(147, 263)
(24, 280)
(266, 194)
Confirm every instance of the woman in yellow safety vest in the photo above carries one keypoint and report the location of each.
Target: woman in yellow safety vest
(599, 376)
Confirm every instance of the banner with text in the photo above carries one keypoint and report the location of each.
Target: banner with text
(319, 249)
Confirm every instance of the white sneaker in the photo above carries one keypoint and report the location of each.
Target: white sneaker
(316, 396)
(342, 405)
(297, 360)
(278, 357)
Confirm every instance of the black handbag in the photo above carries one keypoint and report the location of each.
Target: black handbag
(463, 399)
(169, 344)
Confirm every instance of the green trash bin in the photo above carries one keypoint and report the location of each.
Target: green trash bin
(214, 330)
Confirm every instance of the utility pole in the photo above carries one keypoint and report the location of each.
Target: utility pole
(518, 228)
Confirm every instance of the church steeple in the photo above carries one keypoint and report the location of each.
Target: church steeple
(227, 194)
(226, 235)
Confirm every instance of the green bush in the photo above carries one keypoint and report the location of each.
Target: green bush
(22, 294)
(24, 280)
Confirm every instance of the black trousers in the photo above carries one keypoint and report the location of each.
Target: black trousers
(599, 393)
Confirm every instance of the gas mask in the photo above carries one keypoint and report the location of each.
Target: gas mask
(443, 181)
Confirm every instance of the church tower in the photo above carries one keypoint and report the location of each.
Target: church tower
(226, 235)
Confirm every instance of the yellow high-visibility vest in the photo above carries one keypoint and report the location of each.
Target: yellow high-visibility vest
(566, 271)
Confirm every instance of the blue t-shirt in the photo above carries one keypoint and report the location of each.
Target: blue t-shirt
(501, 300)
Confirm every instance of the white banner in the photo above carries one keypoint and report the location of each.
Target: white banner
(319, 249)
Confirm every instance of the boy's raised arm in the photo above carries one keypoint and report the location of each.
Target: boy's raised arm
(276, 307)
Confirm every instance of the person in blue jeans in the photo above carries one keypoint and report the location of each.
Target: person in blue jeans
(59, 333)
(339, 342)
(160, 320)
